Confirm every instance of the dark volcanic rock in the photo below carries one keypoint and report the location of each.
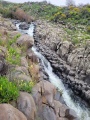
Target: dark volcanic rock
(24, 26)
(72, 64)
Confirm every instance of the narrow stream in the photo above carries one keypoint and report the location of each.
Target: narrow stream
(82, 112)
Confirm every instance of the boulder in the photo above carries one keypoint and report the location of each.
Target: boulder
(60, 109)
(26, 105)
(48, 113)
(24, 26)
(44, 92)
(8, 24)
(19, 73)
(8, 112)
(31, 55)
(25, 41)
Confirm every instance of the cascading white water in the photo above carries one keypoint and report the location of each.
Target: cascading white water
(29, 31)
(81, 112)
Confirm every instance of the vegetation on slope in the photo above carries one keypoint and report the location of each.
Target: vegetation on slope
(75, 19)
(73, 14)
(10, 57)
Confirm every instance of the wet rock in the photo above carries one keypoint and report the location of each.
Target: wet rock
(15, 21)
(24, 26)
(70, 114)
(58, 97)
(60, 108)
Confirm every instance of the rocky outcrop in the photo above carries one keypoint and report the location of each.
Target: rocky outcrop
(64, 48)
(6, 24)
(19, 74)
(25, 41)
(69, 62)
(47, 107)
(50, 34)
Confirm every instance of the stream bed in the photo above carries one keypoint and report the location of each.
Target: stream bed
(81, 110)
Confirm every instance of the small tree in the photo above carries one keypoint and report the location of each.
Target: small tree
(70, 2)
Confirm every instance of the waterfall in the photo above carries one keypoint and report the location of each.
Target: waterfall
(81, 111)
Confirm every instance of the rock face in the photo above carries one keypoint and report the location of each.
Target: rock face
(8, 112)
(62, 111)
(47, 107)
(64, 48)
(72, 63)
(6, 24)
(26, 105)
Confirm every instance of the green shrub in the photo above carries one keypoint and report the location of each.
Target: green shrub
(8, 90)
(13, 57)
(88, 29)
(10, 42)
(25, 86)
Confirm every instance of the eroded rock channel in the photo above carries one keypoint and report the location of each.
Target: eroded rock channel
(40, 59)
(66, 63)
(71, 64)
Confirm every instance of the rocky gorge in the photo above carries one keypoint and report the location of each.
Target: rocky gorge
(69, 62)
(44, 102)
